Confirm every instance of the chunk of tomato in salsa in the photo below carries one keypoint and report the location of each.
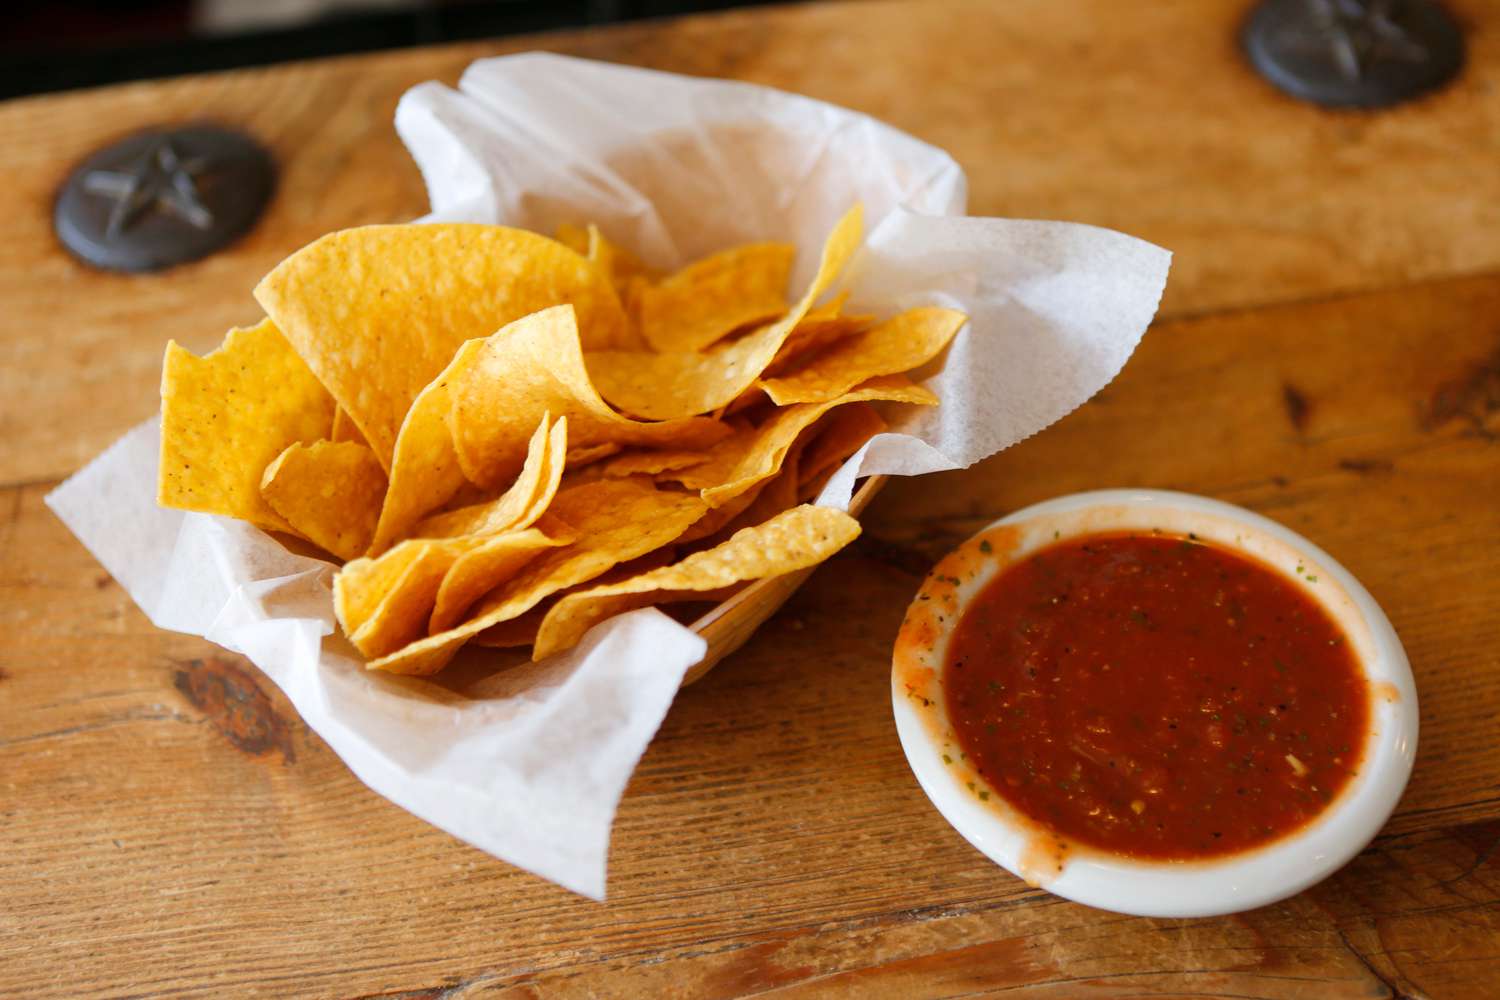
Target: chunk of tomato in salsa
(1156, 696)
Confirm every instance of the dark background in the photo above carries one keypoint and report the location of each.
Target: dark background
(85, 43)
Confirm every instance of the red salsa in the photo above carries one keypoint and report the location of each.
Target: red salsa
(1155, 696)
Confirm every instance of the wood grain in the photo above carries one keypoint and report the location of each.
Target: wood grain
(169, 827)
(1152, 124)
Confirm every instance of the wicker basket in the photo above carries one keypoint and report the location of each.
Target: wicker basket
(729, 625)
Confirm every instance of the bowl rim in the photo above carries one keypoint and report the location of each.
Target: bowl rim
(1208, 887)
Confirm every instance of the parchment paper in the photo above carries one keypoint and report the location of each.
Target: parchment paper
(528, 763)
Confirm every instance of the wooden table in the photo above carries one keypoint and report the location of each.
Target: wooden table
(1328, 353)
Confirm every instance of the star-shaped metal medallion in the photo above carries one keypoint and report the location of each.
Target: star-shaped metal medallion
(163, 197)
(1363, 33)
(159, 179)
(1354, 53)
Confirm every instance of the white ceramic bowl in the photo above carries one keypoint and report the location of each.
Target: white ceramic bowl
(1154, 888)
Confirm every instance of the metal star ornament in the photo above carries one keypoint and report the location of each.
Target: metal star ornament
(163, 197)
(1354, 53)
(159, 179)
(1362, 33)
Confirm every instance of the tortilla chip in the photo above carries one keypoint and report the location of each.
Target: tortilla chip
(509, 635)
(832, 309)
(677, 384)
(486, 566)
(588, 454)
(329, 492)
(575, 238)
(635, 287)
(397, 593)
(717, 518)
(781, 492)
(839, 435)
(533, 366)
(400, 615)
(378, 311)
(619, 266)
(590, 473)
(750, 398)
(715, 296)
(898, 345)
(754, 455)
(519, 506)
(614, 520)
(649, 463)
(227, 415)
(811, 489)
(425, 472)
(363, 584)
(344, 429)
(775, 495)
(811, 337)
(522, 631)
(798, 538)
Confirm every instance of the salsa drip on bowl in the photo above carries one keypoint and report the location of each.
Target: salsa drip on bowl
(1156, 697)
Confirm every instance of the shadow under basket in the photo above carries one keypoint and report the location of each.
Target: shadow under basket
(730, 624)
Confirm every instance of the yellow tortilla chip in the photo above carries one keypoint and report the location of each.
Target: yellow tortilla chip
(519, 506)
(715, 296)
(811, 337)
(781, 492)
(775, 495)
(344, 429)
(425, 471)
(591, 473)
(838, 436)
(523, 631)
(227, 415)
(614, 520)
(832, 309)
(746, 400)
(798, 538)
(516, 632)
(717, 518)
(487, 565)
(811, 489)
(588, 454)
(908, 341)
(329, 492)
(533, 366)
(754, 455)
(649, 463)
(635, 287)
(575, 238)
(619, 266)
(363, 584)
(677, 384)
(398, 592)
(400, 614)
(378, 311)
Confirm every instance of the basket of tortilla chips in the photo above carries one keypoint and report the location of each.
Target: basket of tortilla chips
(505, 439)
